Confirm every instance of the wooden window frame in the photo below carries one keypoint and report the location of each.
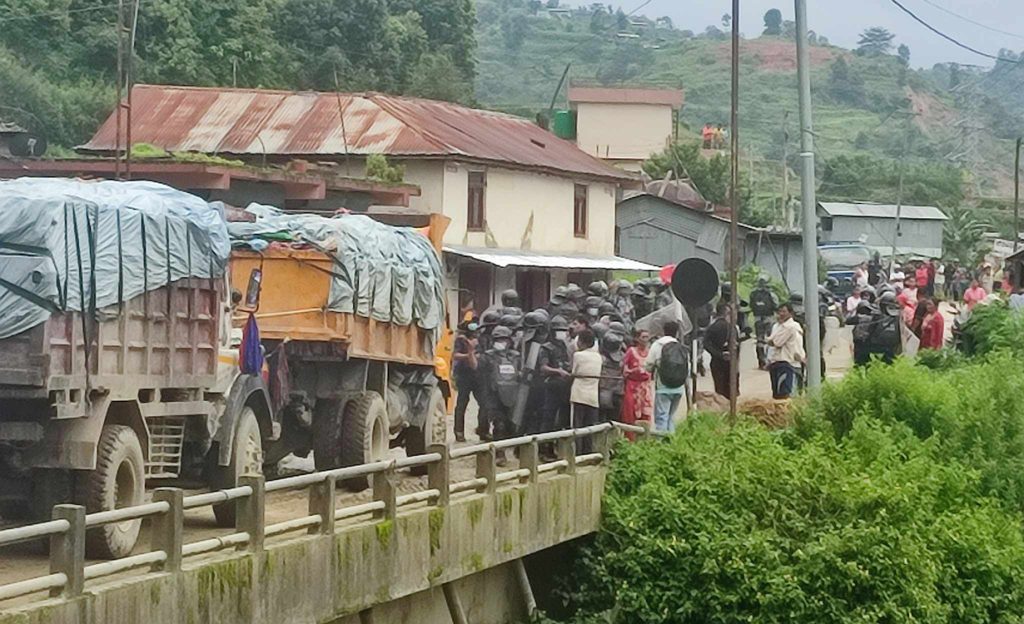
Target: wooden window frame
(580, 210)
(476, 213)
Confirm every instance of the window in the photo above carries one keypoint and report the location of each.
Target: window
(826, 224)
(475, 219)
(579, 215)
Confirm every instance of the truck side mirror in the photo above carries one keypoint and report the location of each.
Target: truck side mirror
(252, 291)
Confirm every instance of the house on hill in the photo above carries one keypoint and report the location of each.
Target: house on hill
(624, 125)
(528, 210)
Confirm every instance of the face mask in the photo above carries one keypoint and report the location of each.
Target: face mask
(561, 335)
(592, 311)
(500, 346)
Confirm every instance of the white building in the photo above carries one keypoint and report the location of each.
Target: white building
(528, 210)
(624, 126)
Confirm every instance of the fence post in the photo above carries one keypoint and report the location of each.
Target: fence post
(250, 516)
(67, 550)
(603, 444)
(566, 450)
(321, 503)
(529, 458)
(168, 528)
(384, 490)
(439, 473)
(487, 468)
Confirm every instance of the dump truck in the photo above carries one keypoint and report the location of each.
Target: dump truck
(123, 318)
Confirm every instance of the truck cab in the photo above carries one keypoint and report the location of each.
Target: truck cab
(841, 259)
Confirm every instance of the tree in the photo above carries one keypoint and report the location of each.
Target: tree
(726, 20)
(773, 23)
(861, 177)
(844, 86)
(438, 77)
(875, 41)
(514, 27)
(710, 176)
(904, 53)
(963, 235)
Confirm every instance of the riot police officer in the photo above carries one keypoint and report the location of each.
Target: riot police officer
(763, 303)
(555, 367)
(528, 414)
(610, 388)
(886, 339)
(500, 373)
(862, 320)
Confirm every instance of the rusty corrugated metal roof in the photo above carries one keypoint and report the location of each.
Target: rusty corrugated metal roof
(285, 123)
(626, 95)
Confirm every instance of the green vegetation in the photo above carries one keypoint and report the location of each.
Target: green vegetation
(377, 168)
(897, 496)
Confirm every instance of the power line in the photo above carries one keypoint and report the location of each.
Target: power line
(971, 21)
(948, 38)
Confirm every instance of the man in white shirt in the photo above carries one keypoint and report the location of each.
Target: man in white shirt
(669, 381)
(584, 395)
(785, 352)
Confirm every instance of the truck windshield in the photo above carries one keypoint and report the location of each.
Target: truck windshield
(839, 258)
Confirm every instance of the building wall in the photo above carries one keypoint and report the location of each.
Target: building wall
(623, 131)
(918, 236)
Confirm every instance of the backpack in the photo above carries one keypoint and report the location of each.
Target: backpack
(506, 379)
(887, 332)
(862, 330)
(674, 367)
(761, 302)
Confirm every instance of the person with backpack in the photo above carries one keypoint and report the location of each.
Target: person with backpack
(785, 352)
(862, 321)
(670, 363)
(886, 338)
(763, 304)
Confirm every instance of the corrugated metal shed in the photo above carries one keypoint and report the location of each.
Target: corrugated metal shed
(520, 258)
(881, 211)
(285, 123)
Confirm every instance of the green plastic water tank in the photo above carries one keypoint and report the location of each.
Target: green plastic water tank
(565, 124)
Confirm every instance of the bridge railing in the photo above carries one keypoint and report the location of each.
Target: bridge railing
(67, 530)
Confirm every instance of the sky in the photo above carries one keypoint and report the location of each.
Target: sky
(843, 20)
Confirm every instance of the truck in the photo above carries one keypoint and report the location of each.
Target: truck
(98, 400)
(840, 259)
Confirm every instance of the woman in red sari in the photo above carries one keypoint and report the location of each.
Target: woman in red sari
(638, 401)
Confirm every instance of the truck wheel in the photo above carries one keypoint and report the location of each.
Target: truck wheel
(118, 481)
(433, 431)
(246, 458)
(364, 435)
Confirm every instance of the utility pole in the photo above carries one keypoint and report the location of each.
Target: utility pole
(899, 191)
(809, 202)
(1016, 198)
(786, 212)
(734, 205)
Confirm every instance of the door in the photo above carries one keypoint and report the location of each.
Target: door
(475, 286)
(533, 288)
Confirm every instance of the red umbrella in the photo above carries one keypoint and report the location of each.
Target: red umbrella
(665, 274)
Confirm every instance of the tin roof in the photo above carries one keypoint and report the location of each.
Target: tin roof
(286, 123)
(881, 211)
(627, 95)
(523, 258)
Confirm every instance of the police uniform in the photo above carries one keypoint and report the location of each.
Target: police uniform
(763, 303)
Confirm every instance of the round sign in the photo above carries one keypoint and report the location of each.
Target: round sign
(694, 282)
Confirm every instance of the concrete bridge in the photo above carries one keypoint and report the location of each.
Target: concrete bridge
(451, 553)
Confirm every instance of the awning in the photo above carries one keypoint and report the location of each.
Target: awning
(521, 258)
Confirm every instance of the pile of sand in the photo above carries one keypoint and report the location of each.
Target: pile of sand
(771, 413)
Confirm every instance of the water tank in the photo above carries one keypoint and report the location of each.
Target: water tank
(565, 124)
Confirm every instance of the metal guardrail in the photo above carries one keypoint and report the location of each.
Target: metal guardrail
(67, 530)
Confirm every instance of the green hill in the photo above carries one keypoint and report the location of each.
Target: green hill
(867, 109)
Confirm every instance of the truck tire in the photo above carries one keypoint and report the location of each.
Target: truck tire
(364, 435)
(118, 481)
(246, 458)
(433, 431)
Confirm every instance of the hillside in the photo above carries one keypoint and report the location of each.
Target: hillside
(863, 104)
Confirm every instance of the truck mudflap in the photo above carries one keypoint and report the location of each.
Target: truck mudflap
(247, 390)
(409, 392)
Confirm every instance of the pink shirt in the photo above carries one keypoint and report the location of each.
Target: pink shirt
(973, 296)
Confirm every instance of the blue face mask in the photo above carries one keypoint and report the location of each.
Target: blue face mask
(500, 346)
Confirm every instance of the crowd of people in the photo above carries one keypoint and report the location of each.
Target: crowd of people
(600, 354)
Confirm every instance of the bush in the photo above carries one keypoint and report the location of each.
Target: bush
(740, 524)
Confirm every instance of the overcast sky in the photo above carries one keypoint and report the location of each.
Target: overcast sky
(843, 20)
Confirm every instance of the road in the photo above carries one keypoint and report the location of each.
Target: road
(28, 560)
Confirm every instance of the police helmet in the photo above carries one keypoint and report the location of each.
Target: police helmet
(534, 320)
(489, 318)
(510, 298)
(617, 327)
(508, 320)
(598, 289)
(574, 292)
(865, 307)
(501, 332)
(558, 323)
(593, 302)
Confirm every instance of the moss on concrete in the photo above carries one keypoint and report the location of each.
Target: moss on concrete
(436, 523)
(434, 574)
(385, 529)
(219, 578)
(476, 511)
(506, 503)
